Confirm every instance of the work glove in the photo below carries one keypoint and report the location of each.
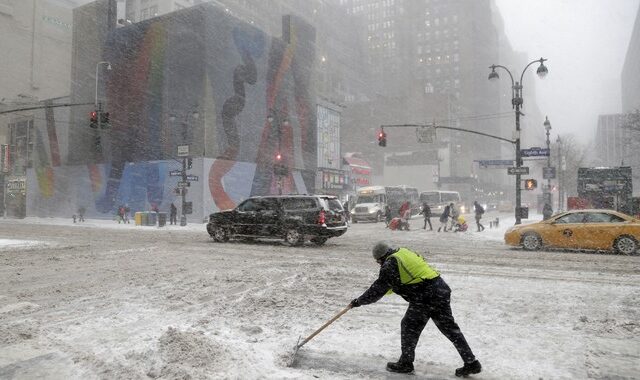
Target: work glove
(354, 303)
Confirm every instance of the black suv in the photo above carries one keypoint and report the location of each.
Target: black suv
(293, 218)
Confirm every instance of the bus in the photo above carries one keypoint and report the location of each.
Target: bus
(437, 200)
(607, 187)
(370, 204)
(397, 195)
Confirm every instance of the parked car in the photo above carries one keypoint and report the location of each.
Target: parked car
(293, 218)
(580, 229)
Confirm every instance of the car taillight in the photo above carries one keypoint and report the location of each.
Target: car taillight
(321, 217)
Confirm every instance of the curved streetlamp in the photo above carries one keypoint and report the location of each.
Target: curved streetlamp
(547, 192)
(516, 103)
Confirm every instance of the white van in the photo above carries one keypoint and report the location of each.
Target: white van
(438, 200)
(370, 205)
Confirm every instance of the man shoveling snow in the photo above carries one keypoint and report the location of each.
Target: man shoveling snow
(407, 274)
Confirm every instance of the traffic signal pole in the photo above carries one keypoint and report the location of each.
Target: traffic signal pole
(183, 216)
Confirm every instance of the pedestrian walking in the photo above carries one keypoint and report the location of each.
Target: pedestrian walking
(406, 217)
(479, 210)
(444, 218)
(127, 210)
(81, 211)
(173, 212)
(426, 213)
(408, 274)
(454, 213)
(388, 215)
(404, 207)
(347, 212)
(120, 214)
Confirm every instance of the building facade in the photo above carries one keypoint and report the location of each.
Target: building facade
(239, 99)
(631, 71)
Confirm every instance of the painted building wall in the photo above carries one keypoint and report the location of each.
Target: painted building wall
(165, 71)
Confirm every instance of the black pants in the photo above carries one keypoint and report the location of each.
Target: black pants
(437, 308)
(478, 224)
(172, 219)
(427, 220)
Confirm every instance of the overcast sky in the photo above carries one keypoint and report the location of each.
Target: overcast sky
(586, 43)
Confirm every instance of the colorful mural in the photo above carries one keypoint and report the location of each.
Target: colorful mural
(202, 58)
(199, 77)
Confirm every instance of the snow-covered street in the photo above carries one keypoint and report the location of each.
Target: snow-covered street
(106, 300)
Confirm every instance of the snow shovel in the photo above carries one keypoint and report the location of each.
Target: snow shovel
(307, 339)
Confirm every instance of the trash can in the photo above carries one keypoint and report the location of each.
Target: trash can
(137, 217)
(144, 218)
(152, 218)
(162, 219)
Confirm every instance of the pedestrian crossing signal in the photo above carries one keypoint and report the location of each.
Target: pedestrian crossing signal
(530, 184)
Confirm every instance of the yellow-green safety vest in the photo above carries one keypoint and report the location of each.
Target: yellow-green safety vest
(413, 268)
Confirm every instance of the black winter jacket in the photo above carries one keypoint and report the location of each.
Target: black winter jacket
(389, 278)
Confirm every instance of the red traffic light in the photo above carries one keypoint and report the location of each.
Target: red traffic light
(382, 138)
(93, 115)
(278, 157)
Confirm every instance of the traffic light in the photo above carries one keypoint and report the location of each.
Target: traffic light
(278, 157)
(530, 184)
(189, 162)
(382, 138)
(104, 119)
(93, 119)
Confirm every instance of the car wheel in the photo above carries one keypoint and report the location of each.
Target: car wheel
(379, 217)
(626, 245)
(293, 237)
(220, 234)
(531, 242)
(319, 240)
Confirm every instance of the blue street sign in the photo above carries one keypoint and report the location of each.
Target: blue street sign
(534, 152)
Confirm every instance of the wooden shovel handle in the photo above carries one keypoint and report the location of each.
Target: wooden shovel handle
(325, 325)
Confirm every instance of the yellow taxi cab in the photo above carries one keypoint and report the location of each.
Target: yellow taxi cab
(579, 229)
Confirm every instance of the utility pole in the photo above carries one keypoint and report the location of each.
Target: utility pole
(183, 193)
(559, 142)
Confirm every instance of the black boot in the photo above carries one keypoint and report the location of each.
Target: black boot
(468, 369)
(400, 367)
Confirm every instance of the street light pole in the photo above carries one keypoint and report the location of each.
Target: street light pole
(97, 68)
(559, 142)
(547, 192)
(516, 102)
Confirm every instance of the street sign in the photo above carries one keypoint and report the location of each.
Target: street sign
(175, 173)
(534, 152)
(183, 184)
(193, 178)
(183, 150)
(495, 164)
(516, 170)
(549, 172)
(425, 134)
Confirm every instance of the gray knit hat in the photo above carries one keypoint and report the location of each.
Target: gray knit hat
(381, 249)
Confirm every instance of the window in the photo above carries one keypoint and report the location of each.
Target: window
(571, 218)
(249, 205)
(298, 203)
(332, 204)
(602, 217)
